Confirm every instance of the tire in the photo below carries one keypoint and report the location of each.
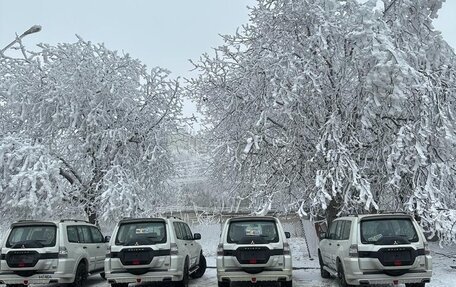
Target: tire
(341, 276)
(80, 276)
(415, 284)
(323, 273)
(103, 275)
(15, 285)
(287, 284)
(201, 268)
(223, 284)
(119, 285)
(185, 277)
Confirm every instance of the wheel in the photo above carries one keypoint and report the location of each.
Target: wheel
(324, 274)
(15, 285)
(287, 284)
(103, 275)
(119, 285)
(80, 276)
(341, 276)
(201, 268)
(185, 277)
(415, 284)
(223, 284)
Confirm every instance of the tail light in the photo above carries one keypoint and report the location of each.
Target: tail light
(220, 249)
(173, 249)
(286, 249)
(353, 250)
(108, 252)
(427, 251)
(63, 252)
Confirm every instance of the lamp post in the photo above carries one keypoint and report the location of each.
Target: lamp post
(31, 30)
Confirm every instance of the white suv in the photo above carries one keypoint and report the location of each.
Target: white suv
(153, 250)
(43, 252)
(253, 249)
(375, 249)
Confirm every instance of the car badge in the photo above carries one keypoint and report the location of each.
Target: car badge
(395, 242)
(23, 246)
(136, 243)
(253, 242)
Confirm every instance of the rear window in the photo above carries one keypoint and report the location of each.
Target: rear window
(260, 231)
(36, 236)
(141, 233)
(373, 231)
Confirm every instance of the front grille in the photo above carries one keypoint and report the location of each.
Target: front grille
(22, 259)
(253, 255)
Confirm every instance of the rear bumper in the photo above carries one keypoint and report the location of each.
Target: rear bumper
(355, 276)
(48, 271)
(161, 269)
(42, 278)
(153, 276)
(266, 275)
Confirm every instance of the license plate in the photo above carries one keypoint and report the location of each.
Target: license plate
(397, 255)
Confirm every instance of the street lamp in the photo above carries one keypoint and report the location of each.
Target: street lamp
(31, 30)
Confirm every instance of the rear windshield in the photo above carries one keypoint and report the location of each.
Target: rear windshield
(259, 231)
(141, 233)
(36, 236)
(373, 231)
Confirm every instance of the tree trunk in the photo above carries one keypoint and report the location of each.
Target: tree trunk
(332, 210)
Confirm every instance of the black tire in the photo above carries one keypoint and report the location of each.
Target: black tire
(223, 284)
(119, 285)
(287, 284)
(80, 276)
(185, 277)
(103, 275)
(201, 268)
(15, 285)
(341, 276)
(323, 273)
(415, 284)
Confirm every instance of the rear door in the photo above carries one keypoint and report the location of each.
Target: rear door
(327, 245)
(181, 239)
(192, 246)
(85, 237)
(100, 247)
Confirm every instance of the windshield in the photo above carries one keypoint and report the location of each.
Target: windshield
(35, 236)
(373, 231)
(259, 231)
(141, 233)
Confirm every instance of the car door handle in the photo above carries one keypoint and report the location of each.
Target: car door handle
(330, 244)
(98, 246)
(338, 244)
(85, 247)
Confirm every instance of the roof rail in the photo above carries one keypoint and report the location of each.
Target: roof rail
(392, 212)
(172, 216)
(27, 220)
(75, 220)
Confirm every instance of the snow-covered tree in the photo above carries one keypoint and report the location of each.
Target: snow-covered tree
(334, 106)
(101, 121)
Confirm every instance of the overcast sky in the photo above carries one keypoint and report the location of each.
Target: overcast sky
(165, 33)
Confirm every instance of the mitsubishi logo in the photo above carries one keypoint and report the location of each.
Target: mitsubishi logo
(23, 246)
(253, 242)
(395, 242)
(136, 243)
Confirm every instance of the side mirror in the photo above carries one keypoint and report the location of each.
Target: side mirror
(196, 236)
(107, 238)
(287, 234)
(322, 235)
